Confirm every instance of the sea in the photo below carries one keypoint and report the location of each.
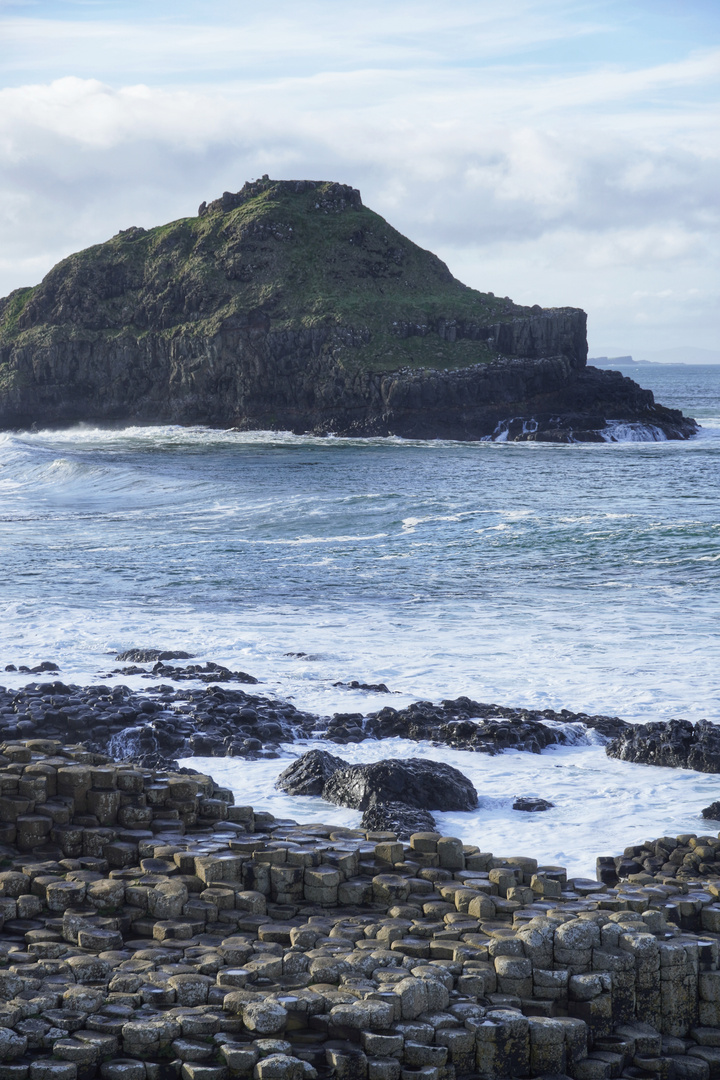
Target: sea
(583, 576)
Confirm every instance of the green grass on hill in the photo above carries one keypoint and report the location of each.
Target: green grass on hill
(275, 255)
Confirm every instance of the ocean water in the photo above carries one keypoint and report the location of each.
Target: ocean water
(582, 577)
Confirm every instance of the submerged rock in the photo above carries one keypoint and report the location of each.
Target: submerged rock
(428, 785)
(309, 774)
(377, 688)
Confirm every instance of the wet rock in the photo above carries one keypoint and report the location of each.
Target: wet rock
(675, 743)
(471, 725)
(398, 817)
(420, 783)
(378, 688)
(532, 805)
(154, 727)
(208, 673)
(149, 656)
(309, 774)
(712, 812)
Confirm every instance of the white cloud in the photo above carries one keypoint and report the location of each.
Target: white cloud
(583, 187)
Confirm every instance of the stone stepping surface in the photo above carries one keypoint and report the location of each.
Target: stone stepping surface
(151, 929)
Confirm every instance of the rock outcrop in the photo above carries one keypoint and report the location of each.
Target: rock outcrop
(675, 743)
(167, 722)
(291, 305)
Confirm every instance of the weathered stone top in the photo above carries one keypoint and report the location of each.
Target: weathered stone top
(330, 197)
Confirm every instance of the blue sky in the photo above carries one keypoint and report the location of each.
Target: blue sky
(557, 152)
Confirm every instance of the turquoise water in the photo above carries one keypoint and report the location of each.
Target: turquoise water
(581, 576)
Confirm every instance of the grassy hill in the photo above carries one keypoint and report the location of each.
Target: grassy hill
(297, 254)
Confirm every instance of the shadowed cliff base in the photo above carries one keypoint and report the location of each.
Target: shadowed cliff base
(289, 305)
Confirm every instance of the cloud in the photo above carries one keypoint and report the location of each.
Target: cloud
(581, 184)
(208, 40)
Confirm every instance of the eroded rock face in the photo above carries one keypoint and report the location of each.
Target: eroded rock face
(309, 774)
(675, 743)
(427, 785)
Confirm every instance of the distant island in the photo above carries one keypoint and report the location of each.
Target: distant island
(290, 305)
(678, 354)
(620, 361)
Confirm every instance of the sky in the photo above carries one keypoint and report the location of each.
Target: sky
(560, 152)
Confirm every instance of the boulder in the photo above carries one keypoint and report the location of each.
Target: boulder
(309, 773)
(427, 785)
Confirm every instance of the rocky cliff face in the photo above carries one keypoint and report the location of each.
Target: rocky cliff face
(290, 305)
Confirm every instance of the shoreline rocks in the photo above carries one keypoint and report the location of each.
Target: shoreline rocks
(157, 725)
(207, 673)
(677, 744)
(531, 805)
(151, 929)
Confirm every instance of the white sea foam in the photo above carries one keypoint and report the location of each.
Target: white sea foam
(620, 431)
(600, 805)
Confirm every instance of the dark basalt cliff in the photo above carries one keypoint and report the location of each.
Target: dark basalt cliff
(290, 305)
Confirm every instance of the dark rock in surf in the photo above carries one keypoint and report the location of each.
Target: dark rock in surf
(532, 806)
(149, 656)
(391, 816)
(309, 774)
(428, 785)
(677, 744)
(712, 812)
(378, 688)
(208, 673)
(471, 725)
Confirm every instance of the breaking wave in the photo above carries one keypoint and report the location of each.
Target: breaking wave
(623, 431)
